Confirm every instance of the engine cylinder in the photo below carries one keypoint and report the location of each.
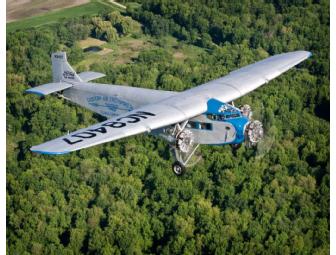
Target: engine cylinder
(246, 110)
(254, 132)
(185, 141)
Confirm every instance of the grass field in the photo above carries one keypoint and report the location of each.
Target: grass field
(94, 7)
(126, 49)
(20, 9)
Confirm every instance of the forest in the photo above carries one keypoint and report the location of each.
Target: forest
(122, 197)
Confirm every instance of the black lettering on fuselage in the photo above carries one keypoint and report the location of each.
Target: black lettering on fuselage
(90, 133)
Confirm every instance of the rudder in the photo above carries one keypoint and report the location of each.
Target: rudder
(61, 69)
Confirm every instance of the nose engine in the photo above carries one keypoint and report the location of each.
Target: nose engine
(254, 131)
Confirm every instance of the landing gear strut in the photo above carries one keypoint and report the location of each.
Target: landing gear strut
(183, 147)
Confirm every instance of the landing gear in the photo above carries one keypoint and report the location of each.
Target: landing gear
(182, 144)
(235, 146)
(184, 158)
(178, 168)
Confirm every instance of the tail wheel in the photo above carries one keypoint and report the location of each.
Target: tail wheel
(178, 168)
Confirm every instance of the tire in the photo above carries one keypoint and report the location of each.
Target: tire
(236, 146)
(178, 168)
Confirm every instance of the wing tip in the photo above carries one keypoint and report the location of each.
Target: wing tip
(48, 152)
(306, 53)
(32, 91)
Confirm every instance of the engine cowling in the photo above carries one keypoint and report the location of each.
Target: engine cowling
(246, 110)
(254, 130)
(185, 141)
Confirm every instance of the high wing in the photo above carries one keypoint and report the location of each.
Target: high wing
(248, 78)
(176, 108)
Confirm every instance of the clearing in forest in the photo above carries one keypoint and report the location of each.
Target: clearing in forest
(120, 52)
(126, 49)
(89, 42)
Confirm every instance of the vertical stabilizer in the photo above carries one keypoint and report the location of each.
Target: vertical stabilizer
(61, 69)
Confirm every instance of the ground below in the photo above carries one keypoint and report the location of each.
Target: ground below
(18, 9)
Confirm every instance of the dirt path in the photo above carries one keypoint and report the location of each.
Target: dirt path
(18, 9)
(117, 4)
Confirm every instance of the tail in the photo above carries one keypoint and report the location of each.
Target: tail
(63, 76)
(61, 69)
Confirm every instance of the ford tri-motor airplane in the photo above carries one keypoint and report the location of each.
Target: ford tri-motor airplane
(201, 115)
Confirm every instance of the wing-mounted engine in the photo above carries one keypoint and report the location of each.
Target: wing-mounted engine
(182, 143)
(185, 141)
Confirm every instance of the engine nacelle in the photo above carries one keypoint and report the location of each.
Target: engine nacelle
(185, 141)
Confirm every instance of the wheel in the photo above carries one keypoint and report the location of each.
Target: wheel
(236, 146)
(178, 168)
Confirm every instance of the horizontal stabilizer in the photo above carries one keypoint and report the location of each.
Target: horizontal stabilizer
(89, 76)
(49, 88)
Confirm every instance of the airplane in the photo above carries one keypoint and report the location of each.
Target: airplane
(204, 114)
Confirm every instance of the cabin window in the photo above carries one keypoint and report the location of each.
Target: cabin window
(212, 117)
(206, 126)
(192, 124)
(221, 117)
(199, 125)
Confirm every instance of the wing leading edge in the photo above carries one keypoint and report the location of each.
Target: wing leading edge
(250, 77)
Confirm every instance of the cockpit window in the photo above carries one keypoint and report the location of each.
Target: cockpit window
(222, 117)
